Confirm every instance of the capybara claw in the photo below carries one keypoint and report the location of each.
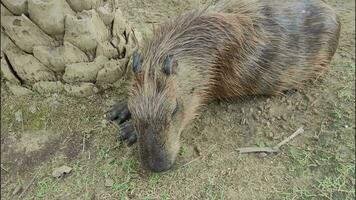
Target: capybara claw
(127, 133)
(119, 113)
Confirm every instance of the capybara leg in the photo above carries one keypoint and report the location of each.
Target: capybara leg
(127, 133)
(119, 113)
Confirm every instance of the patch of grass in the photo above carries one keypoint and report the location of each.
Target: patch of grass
(154, 179)
(300, 161)
(104, 153)
(183, 150)
(129, 165)
(214, 191)
(260, 143)
(46, 188)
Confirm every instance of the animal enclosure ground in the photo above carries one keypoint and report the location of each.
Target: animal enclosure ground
(41, 133)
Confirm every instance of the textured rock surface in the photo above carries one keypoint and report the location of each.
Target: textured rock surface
(7, 73)
(5, 11)
(64, 46)
(85, 30)
(107, 49)
(80, 5)
(56, 58)
(18, 90)
(81, 90)
(28, 68)
(17, 7)
(85, 71)
(111, 72)
(45, 87)
(106, 13)
(25, 33)
(49, 14)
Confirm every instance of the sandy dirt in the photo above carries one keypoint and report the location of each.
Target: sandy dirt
(42, 132)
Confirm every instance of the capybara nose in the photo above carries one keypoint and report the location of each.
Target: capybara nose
(159, 165)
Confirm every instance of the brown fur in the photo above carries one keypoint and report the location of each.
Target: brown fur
(228, 51)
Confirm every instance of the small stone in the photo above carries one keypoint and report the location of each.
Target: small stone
(254, 116)
(32, 109)
(18, 116)
(262, 155)
(284, 117)
(269, 135)
(109, 182)
(60, 171)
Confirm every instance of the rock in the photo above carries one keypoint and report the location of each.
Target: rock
(5, 11)
(106, 13)
(120, 24)
(85, 30)
(25, 33)
(80, 5)
(120, 44)
(32, 109)
(6, 43)
(45, 87)
(19, 90)
(109, 182)
(262, 155)
(60, 171)
(17, 7)
(81, 90)
(85, 71)
(27, 67)
(18, 116)
(56, 58)
(111, 72)
(106, 49)
(7, 73)
(49, 15)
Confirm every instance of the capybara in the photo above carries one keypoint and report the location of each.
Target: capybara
(229, 50)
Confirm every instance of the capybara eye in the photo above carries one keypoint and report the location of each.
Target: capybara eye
(169, 65)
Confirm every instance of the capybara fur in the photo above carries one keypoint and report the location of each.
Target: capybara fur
(226, 51)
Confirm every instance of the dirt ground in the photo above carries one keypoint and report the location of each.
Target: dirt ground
(41, 133)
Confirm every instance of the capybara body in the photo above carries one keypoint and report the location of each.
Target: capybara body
(227, 51)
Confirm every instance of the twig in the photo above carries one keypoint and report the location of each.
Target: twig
(83, 143)
(258, 150)
(274, 149)
(27, 187)
(296, 133)
(188, 163)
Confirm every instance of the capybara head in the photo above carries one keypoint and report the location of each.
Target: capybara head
(155, 110)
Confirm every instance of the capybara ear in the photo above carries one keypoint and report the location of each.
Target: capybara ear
(136, 62)
(169, 65)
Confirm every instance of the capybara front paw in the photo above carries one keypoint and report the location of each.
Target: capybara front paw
(119, 113)
(127, 133)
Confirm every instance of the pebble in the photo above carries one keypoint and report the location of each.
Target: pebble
(109, 182)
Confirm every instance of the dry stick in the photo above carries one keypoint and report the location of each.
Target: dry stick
(296, 133)
(27, 187)
(258, 149)
(274, 149)
(83, 143)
